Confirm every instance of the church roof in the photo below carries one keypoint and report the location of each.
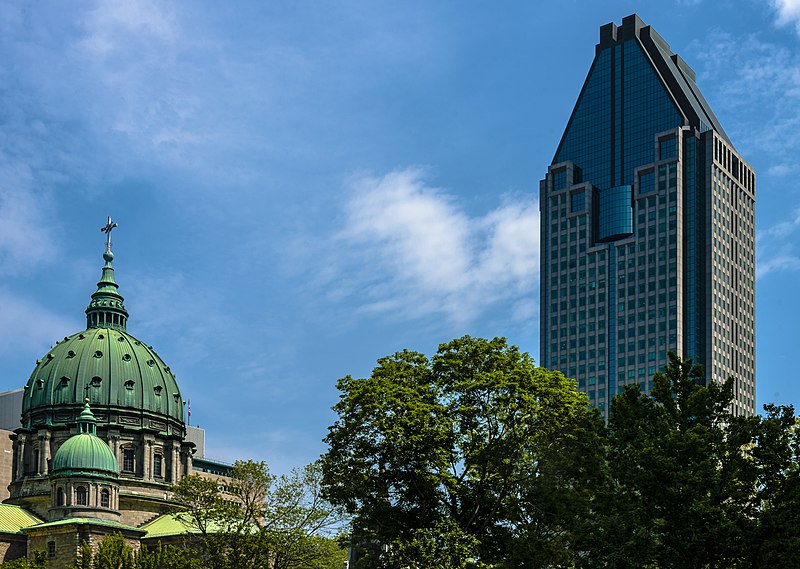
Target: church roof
(82, 522)
(169, 525)
(178, 524)
(14, 518)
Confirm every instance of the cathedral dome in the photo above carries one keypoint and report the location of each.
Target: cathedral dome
(111, 368)
(85, 454)
(126, 381)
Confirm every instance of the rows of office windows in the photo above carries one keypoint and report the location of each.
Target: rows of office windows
(646, 268)
(732, 294)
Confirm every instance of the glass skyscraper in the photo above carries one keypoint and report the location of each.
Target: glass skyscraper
(647, 229)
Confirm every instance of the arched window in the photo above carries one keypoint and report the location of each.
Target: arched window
(104, 498)
(81, 497)
(60, 497)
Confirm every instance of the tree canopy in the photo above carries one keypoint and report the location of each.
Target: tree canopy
(262, 520)
(450, 460)
(475, 457)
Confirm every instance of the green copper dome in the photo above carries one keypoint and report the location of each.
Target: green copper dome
(124, 378)
(110, 367)
(85, 454)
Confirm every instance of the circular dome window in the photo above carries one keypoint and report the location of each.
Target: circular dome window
(126, 358)
(98, 354)
(96, 381)
(70, 354)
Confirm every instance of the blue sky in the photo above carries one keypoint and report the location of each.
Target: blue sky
(303, 187)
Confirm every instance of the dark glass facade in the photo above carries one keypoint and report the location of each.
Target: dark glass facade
(615, 213)
(647, 228)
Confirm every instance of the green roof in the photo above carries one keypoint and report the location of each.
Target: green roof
(82, 522)
(176, 524)
(169, 525)
(85, 453)
(14, 518)
(110, 367)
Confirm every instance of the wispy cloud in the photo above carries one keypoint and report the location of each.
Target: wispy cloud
(766, 78)
(113, 24)
(788, 12)
(413, 252)
(775, 248)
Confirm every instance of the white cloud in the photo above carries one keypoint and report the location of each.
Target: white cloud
(781, 262)
(757, 98)
(788, 12)
(775, 249)
(114, 23)
(413, 251)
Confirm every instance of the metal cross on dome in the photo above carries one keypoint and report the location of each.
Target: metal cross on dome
(110, 224)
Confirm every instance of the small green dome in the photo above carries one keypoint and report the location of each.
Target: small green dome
(85, 454)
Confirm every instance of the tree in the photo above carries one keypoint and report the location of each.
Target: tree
(38, 561)
(113, 553)
(775, 453)
(451, 461)
(265, 522)
(681, 483)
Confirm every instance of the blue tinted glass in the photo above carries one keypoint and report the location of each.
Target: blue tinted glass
(648, 110)
(667, 148)
(647, 182)
(587, 139)
(578, 201)
(560, 180)
(616, 213)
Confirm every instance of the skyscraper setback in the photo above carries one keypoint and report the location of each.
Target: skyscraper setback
(647, 228)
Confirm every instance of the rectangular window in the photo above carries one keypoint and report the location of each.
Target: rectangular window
(667, 148)
(578, 201)
(127, 460)
(559, 180)
(157, 460)
(51, 549)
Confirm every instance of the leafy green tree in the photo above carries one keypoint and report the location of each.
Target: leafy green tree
(38, 561)
(453, 461)
(681, 488)
(113, 553)
(775, 452)
(265, 521)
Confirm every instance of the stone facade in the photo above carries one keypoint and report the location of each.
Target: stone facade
(62, 543)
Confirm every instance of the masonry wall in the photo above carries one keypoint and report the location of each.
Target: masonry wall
(12, 547)
(6, 462)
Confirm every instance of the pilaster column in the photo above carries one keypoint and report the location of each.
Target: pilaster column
(147, 474)
(40, 455)
(175, 463)
(19, 447)
(46, 453)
